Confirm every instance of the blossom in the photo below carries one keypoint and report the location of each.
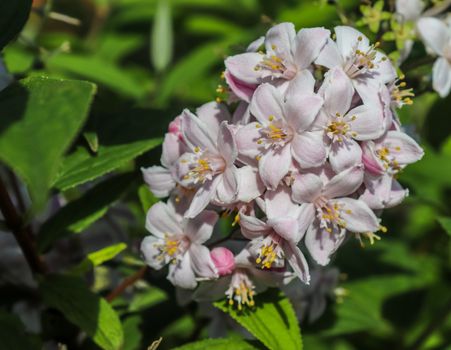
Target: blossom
(360, 60)
(281, 132)
(345, 126)
(178, 242)
(276, 239)
(327, 213)
(436, 35)
(287, 54)
(209, 166)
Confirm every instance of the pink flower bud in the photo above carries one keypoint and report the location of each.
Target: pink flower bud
(224, 260)
(175, 127)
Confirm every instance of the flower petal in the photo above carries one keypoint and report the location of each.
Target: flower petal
(308, 149)
(300, 112)
(173, 148)
(322, 244)
(226, 144)
(357, 215)
(252, 228)
(338, 92)
(151, 252)
(310, 42)
(181, 273)
(306, 188)
(344, 154)
(302, 84)
(250, 186)
(434, 33)
(441, 76)
(267, 101)
(227, 188)
(286, 227)
(347, 39)
(344, 183)
(213, 114)
(306, 217)
(367, 122)
(200, 228)
(280, 38)
(403, 147)
(161, 220)
(330, 56)
(242, 90)
(202, 197)
(201, 261)
(159, 179)
(274, 165)
(196, 132)
(242, 67)
(297, 261)
(246, 139)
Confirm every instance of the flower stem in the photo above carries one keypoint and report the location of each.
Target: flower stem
(129, 281)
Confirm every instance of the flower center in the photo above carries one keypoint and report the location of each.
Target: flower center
(171, 248)
(203, 167)
(339, 128)
(270, 252)
(388, 159)
(241, 290)
(361, 62)
(329, 215)
(401, 96)
(276, 134)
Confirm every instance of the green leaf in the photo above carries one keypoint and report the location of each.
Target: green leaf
(146, 299)
(40, 119)
(98, 258)
(162, 36)
(218, 344)
(13, 335)
(79, 214)
(14, 15)
(81, 167)
(146, 198)
(272, 321)
(79, 305)
(446, 224)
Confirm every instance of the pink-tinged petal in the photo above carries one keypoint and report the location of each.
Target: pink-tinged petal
(344, 183)
(366, 122)
(267, 101)
(201, 262)
(302, 84)
(344, 155)
(242, 67)
(246, 140)
(382, 192)
(280, 38)
(306, 188)
(300, 112)
(161, 220)
(308, 149)
(250, 186)
(434, 33)
(330, 56)
(181, 273)
(173, 148)
(385, 72)
(310, 42)
(213, 114)
(338, 92)
(242, 114)
(357, 216)
(306, 217)
(150, 251)
(227, 189)
(159, 179)
(403, 147)
(200, 228)
(274, 165)
(441, 76)
(196, 132)
(256, 44)
(241, 89)
(287, 228)
(226, 144)
(297, 261)
(252, 228)
(202, 197)
(347, 39)
(278, 203)
(223, 260)
(322, 244)
(369, 159)
(397, 195)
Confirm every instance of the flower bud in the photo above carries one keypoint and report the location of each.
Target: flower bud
(224, 260)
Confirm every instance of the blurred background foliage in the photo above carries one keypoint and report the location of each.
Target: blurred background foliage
(149, 60)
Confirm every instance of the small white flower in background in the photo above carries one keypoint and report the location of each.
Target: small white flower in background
(436, 35)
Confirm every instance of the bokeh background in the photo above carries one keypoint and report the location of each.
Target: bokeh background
(150, 59)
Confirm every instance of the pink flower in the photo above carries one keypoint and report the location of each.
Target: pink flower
(361, 62)
(287, 54)
(326, 212)
(178, 242)
(437, 36)
(223, 259)
(275, 240)
(343, 125)
(282, 131)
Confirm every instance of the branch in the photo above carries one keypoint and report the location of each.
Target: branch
(129, 281)
(22, 233)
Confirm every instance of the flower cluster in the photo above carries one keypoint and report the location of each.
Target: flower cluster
(304, 154)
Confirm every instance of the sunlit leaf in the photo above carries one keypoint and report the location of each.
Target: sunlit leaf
(218, 344)
(162, 36)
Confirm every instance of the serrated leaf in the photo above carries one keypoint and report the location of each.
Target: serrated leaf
(81, 167)
(218, 344)
(446, 224)
(98, 258)
(79, 214)
(40, 119)
(79, 305)
(162, 36)
(14, 15)
(13, 335)
(272, 321)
